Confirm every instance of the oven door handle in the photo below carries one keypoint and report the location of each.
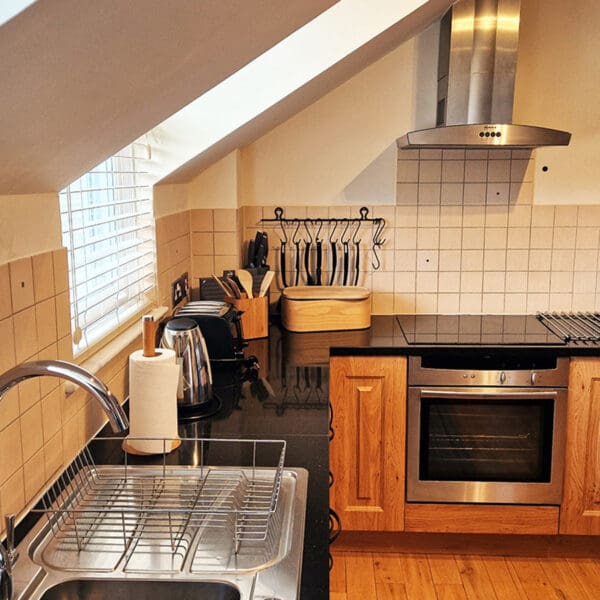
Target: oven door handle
(469, 393)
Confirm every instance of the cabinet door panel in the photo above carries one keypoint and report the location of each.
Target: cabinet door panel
(580, 510)
(368, 396)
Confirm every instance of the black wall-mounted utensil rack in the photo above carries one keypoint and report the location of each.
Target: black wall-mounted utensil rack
(347, 234)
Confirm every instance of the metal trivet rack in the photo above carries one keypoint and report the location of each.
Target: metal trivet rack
(573, 327)
(157, 516)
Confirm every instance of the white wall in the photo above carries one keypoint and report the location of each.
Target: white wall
(217, 187)
(29, 224)
(558, 85)
(312, 157)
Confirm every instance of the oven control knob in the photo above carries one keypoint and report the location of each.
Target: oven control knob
(502, 377)
(534, 377)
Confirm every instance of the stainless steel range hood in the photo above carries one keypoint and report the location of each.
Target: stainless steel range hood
(476, 78)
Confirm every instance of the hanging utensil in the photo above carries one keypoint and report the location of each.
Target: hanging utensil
(296, 243)
(333, 244)
(309, 278)
(346, 253)
(377, 243)
(319, 243)
(283, 243)
(357, 253)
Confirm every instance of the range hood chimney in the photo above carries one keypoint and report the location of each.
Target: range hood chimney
(476, 79)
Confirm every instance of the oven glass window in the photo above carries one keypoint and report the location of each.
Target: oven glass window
(486, 440)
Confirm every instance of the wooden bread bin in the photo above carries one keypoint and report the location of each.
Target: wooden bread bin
(325, 308)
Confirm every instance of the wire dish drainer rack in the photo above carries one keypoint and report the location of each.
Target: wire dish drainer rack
(152, 515)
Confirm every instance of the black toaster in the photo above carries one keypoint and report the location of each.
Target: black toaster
(221, 327)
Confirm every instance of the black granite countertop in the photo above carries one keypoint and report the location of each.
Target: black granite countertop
(288, 400)
(386, 337)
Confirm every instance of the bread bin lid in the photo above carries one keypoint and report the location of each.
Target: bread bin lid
(325, 292)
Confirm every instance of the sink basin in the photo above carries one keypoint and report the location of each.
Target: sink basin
(102, 589)
(90, 559)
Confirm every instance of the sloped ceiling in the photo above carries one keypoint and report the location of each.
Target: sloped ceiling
(80, 80)
(328, 80)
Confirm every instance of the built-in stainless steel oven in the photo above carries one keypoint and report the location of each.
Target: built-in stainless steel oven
(486, 429)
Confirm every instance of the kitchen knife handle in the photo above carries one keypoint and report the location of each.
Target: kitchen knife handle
(297, 244)
(333, 262)
(282, 264)
(346, 262)
(309, 279)
(250, 262)
(319, 260)
(357, 263)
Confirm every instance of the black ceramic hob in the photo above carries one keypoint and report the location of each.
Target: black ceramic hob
(488, 330)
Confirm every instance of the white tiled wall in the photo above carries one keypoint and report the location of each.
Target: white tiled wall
(463, 237)
(468, 239)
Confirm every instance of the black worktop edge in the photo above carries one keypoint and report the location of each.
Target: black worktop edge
(423, 349)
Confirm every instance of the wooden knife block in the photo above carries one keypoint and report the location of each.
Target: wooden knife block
(255, 316)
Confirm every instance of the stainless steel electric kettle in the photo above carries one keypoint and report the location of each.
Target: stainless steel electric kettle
(195, 382)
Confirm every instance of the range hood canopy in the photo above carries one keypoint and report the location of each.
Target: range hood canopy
(476, 79)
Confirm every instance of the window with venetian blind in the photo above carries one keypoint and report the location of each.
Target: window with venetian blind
(108, 228)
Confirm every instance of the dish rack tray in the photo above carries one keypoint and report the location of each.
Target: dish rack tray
(157, 502)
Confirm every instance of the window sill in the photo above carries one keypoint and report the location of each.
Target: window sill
(102, 357)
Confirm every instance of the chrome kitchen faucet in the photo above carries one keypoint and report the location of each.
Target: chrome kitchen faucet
(91, 384)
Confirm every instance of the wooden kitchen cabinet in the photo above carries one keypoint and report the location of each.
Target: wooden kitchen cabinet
(367, 454)
(580, 509)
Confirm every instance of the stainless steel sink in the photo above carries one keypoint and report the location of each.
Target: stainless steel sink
(101, 589)
(94, 563)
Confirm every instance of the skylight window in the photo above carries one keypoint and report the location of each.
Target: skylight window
(284, 68)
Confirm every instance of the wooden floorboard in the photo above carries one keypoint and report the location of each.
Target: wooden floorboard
(399, 576)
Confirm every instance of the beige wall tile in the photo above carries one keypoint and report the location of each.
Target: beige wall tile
(225, 219)
(63, 315)
(406, 194)
(26, 337)
(43, 276)
(7, 345)
(225, 262)
(492, 303)
(12, 494)
(408, 171)
(5, 292)
(34, 472)
(494, 260)
(10, 450)
(61, 270)
(203, 243)
(53, 455)
(48, 384)
(31, 431)
(29, 393)
(45, 316)
(429, 194)
(9, 407)
(71, 438)
(382, 303)
(21, 284)
(495, 237)
(453, 170)
(470, 303)
(65, 348)
(202, 219)
(51, 414)
(226, 244)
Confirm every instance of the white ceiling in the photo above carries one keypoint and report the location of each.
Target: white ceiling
(80, 80)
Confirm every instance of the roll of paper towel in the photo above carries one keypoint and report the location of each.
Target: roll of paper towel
(153, 384)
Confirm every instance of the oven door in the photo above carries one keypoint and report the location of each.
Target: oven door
(485, 445)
